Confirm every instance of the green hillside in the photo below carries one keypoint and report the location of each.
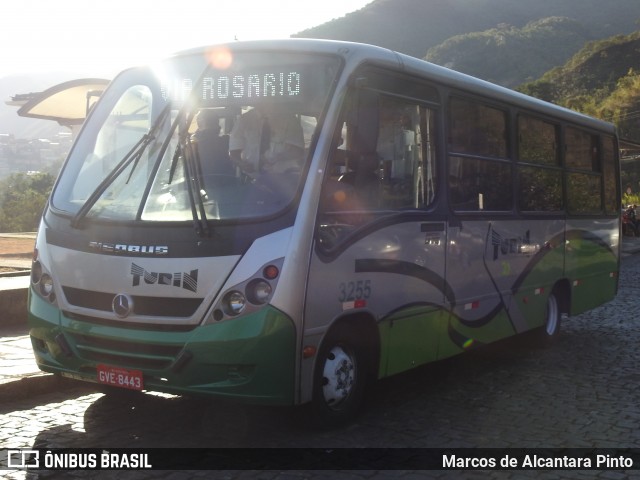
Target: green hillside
(600, 80)
(510, 56)
(415, 26)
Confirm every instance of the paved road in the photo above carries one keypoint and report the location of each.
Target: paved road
(583, 392)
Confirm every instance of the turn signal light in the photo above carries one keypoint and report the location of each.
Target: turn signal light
(271, 272)
(309, 351)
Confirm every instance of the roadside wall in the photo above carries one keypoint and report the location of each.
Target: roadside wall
(13, 298)
(13, 307)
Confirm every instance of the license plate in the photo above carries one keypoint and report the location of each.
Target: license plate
(120, 377)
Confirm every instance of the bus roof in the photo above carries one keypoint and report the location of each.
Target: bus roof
(359, 53)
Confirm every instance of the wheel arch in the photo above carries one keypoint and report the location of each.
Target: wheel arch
(349, 347)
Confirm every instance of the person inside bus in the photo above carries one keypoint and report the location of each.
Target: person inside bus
(212, 149)
(267, 139)
(632, 219)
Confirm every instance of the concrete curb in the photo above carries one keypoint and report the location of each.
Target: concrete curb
(17, 273)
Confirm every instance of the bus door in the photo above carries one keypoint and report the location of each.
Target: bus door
(377, 266)
(490, 250)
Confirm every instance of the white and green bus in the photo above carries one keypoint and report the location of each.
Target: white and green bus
(422, 213)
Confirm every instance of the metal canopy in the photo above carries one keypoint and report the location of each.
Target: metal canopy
(67, 103)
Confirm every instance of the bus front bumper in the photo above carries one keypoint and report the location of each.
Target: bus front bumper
(249, 359)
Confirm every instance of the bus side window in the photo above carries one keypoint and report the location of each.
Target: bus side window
(378, 165)
(479, 169)
(392, 167)
(407, 154)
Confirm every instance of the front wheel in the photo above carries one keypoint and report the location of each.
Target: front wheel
(339, 380)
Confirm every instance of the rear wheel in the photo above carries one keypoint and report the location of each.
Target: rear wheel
(339, 380)
(550, 331)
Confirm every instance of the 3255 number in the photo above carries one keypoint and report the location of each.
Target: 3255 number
(350, 291)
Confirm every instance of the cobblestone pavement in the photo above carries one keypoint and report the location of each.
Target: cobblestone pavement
(582, 392)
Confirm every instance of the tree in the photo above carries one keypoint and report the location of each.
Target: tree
(22, 199)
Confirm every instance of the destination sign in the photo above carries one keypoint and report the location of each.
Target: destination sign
(239, 87)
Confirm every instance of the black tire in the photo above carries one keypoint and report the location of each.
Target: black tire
(340, 379)
(548, 334)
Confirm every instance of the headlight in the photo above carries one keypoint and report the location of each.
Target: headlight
(259, 291)
(36, 272)
(234, 303)
(46, 285)
(248, 296)
(41, 281)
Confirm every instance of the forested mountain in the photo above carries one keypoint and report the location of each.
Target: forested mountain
(414, 26)
(509, 55)
(504, 41)
(601, 80)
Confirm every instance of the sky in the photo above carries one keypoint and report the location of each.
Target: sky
(98, 39)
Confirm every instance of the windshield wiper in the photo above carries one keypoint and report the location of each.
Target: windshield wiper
(132, 156)
(185, 151)
(194, 185)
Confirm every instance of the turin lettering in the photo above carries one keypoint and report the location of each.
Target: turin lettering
(188, 281)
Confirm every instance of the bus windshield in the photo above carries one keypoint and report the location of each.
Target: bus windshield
(211, 136)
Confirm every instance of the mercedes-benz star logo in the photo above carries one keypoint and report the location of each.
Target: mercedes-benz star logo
(122, 305)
